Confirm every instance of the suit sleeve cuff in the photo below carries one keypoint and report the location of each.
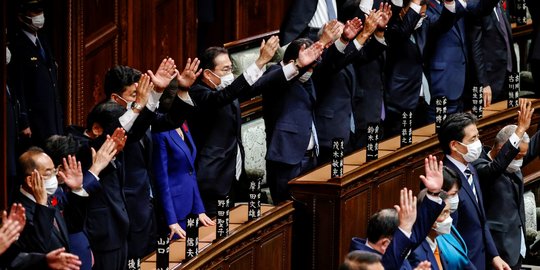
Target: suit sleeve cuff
(290, 71)
(514, 140)
(253, 73)
(153, 100)
(80, 192)
(398, 3)
(435, 199)
(340, 46)
(408, 234)
(127, 119)
(357, 44)
(380, 40)
(416, 7)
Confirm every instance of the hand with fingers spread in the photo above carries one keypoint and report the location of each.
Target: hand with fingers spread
(433, 180)
(37, 187)
(17, 213)
(189, 75)
(525, 114)
(120, 138)
(143, 91)
(406, 210)
(58, 259)
(176, 229)
(307, 56)
(164, 75)
(71, 173)
(205, 220)
(351, 29)
(487, 95)
(103, 157)
(370, 25)
(267, 51)
(386, 14)
(331, 32)
(9, 233)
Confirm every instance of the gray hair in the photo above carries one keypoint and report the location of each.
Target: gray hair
(505, 134)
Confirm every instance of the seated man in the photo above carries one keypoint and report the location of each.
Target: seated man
(392, 237)
(361, 260)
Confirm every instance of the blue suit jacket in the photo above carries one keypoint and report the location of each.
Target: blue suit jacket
(174, 166)
(470, 220)
(447, 58)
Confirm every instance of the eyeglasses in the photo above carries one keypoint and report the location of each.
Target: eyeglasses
(49, 174)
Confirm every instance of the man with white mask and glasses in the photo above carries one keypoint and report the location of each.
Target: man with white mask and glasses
(33, 76)
(501, 181)
(459, 140)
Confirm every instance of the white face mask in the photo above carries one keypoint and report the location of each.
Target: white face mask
(305, 77)
(37, 22)
(8, 56)
(225, 81)
(515, 165)
(473, 151)
(444, 227)
(454, 203)
(51, 185)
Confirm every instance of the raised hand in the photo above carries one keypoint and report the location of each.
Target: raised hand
(9, 233)
(189, 75)
(433, 180)
(38, 188)
(143, 90)
(58, 259)
(103, 157)
(267, 51)
(351, 29)
(386, 14)
(72, 173)
(331, 32)
(486, 95)
(17, 213)
(120, 138)
(370, 25)
(205, 220)
(307, 56)
(176, 229)
(164, 74)
(525, 114)
(406, 210)
(425, 265)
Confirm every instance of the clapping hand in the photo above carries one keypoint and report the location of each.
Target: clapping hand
(433, 180)
(406, 210)
(164, 75)
(9, 233)
(267, 51)
(331, 32)
(17, 213)
(307, 56)
(71, 173)
(370, 25)
(386, 14)
(120, 138)
(60, 260)
(143, 90)
(425, 265)
(351, 29)
(190, 73)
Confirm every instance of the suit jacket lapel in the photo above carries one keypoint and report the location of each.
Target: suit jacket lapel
(464, 183)
(62, 233)
(181, 144)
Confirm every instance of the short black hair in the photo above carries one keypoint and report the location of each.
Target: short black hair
(59, 147)
(106, 114)
(453, 129)
(291, 53)
(209, 55)
(118, 77)
(359, 260)
(382, 224)
(450, 177)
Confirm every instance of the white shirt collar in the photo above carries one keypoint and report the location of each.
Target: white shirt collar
(28, 195)
(31, 36)
(432, 244)
(462, 167)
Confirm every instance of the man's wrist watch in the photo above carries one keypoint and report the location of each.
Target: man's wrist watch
(136, 106)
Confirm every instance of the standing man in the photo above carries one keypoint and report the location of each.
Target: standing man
(458, 137)
(501, 180)
(305, 18)
(33, 76)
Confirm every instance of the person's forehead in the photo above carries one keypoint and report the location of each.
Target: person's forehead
(470, 130)
(222, 60)
(43, 161)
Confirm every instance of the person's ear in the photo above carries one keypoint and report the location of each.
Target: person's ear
(119, 100)
(28, 180)
(385, 242)
(211, 79)
(97, 130)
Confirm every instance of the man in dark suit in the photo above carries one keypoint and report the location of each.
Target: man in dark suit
(393, 234)
(33, 76)
(306, 17)
(458, 137)
(534, 50)
(216, 124)
(493, 53)
(502, 185)
(406, 80)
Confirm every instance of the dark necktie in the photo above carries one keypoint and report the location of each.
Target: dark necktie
(470, 180)
(41, 50)
(502, 25)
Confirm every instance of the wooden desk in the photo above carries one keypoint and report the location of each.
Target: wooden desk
(252, 244)
(329, 212)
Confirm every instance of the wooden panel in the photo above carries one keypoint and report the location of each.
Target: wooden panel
(272, 249)
(357, 209)
(99, 14)
(243, 261)
(96, 65)
(385, 190)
